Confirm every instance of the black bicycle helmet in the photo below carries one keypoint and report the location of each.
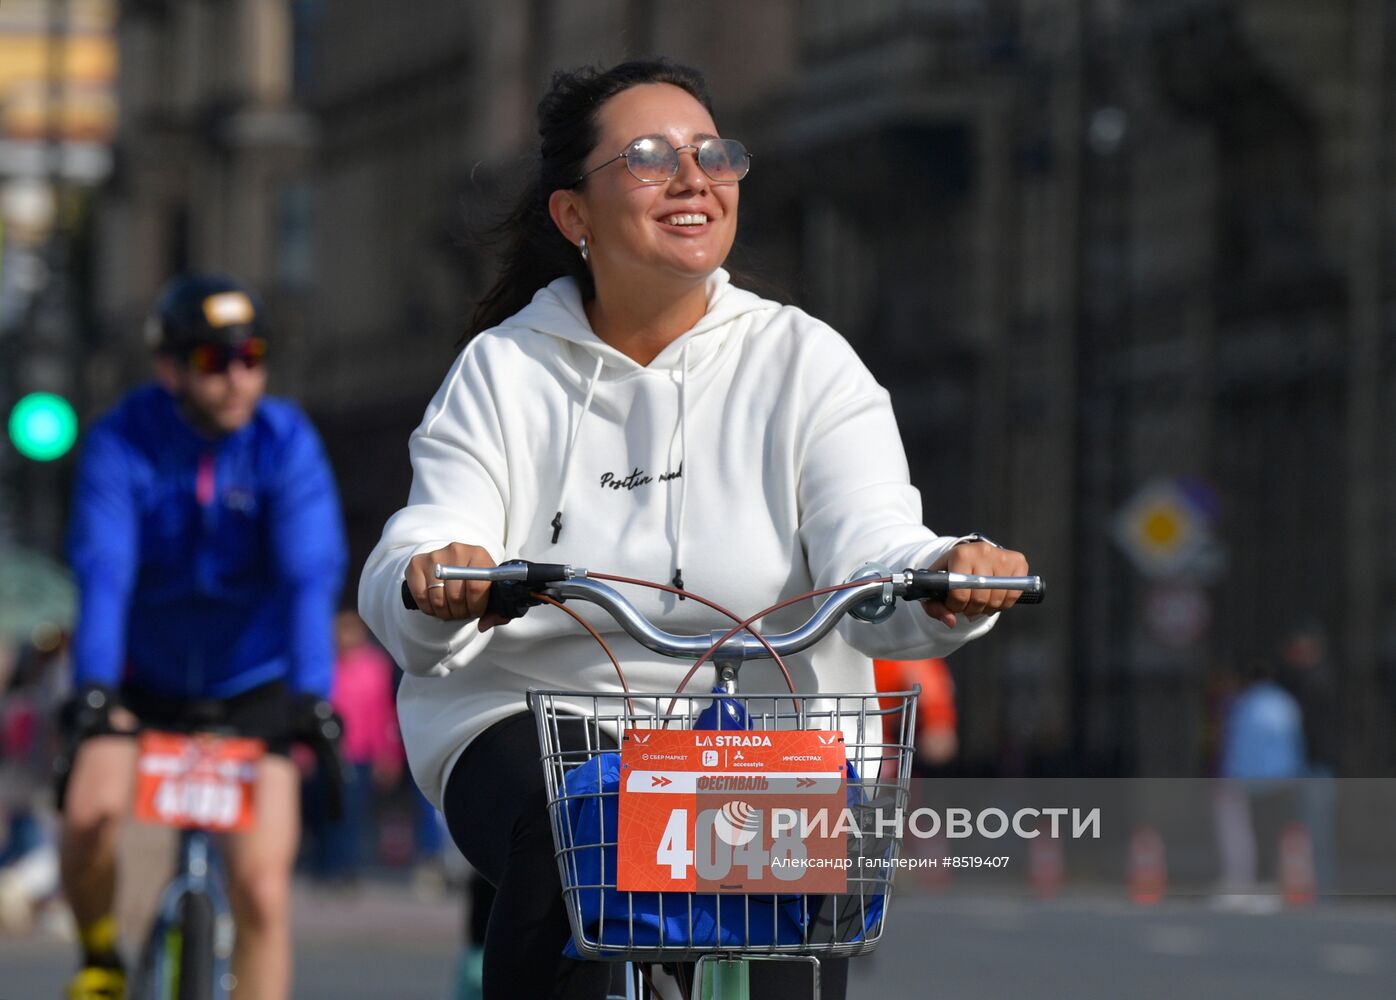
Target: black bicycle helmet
(195, 309)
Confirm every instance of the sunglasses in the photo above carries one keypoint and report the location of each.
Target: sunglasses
(651, 159)
(214, 359)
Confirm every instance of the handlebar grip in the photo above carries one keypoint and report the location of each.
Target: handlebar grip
(513, 571)
(508, 598)
(929, 585)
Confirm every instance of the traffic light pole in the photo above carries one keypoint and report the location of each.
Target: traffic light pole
(43, 353)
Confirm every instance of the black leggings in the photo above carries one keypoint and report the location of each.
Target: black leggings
(496, 809)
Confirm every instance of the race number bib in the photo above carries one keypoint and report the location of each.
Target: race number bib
(197, 780)
(732, 811)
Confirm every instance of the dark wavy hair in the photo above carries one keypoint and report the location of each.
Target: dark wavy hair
(535, 251)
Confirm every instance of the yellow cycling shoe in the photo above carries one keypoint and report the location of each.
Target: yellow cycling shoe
(97, 982)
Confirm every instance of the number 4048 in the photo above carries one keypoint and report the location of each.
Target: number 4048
(715, 854)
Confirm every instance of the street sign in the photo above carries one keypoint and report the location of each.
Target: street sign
(1177, 615)
(1161, 529)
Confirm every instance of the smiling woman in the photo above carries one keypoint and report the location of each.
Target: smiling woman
(701, 433)
(657, 118)
(656, 230)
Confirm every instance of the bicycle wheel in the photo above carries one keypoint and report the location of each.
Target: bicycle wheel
(195, 975)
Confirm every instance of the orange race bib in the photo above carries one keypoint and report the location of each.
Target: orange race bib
(197, 780)
(732, 811)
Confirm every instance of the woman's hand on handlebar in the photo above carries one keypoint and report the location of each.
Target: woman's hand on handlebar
(978, 559)
(451, 600)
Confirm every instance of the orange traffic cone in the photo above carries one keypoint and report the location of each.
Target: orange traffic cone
(1148, 868)
(1297, 881)
(1046, 866)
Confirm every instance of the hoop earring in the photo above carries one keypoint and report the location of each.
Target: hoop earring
(582, 249)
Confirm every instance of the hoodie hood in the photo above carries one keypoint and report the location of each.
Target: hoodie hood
(556, 310)
(585, 360)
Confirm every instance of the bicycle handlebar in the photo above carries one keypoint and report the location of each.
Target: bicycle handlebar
(935, 585)
(561, 582)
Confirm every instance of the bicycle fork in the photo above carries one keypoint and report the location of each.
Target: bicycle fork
(171, 958)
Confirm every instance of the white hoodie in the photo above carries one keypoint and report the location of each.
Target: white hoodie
(756, 454)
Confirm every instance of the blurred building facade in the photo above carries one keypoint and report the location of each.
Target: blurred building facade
(58, 71)
(1088, 245)
(211, 149)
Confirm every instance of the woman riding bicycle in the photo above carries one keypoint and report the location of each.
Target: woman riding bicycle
(622, 405)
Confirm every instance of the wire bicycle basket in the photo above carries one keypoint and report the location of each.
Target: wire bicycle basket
(580, 734)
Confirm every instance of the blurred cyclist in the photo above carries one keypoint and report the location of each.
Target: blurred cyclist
(208, 545)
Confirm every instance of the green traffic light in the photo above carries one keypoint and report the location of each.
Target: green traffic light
(43, 426)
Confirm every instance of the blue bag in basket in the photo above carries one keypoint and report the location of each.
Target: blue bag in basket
(702, 921)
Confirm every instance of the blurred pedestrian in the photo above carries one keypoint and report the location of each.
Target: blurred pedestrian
(33, 683)
(935, 742)
(1262, 751)
(362, 694)
(934, 732)
(1306, 671)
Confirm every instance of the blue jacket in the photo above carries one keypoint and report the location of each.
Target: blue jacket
(205, 567)
(1264, 735)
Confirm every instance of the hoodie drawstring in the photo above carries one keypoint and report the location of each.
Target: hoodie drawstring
(683, 479)
(572, 448)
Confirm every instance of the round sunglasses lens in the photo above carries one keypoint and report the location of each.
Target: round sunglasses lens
(724, 159)
(651, 160)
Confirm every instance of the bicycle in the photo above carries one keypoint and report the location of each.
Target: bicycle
(199, 779)
(585, 788)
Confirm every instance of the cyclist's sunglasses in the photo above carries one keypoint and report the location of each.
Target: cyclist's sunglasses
(214, 359)
(651, 159)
